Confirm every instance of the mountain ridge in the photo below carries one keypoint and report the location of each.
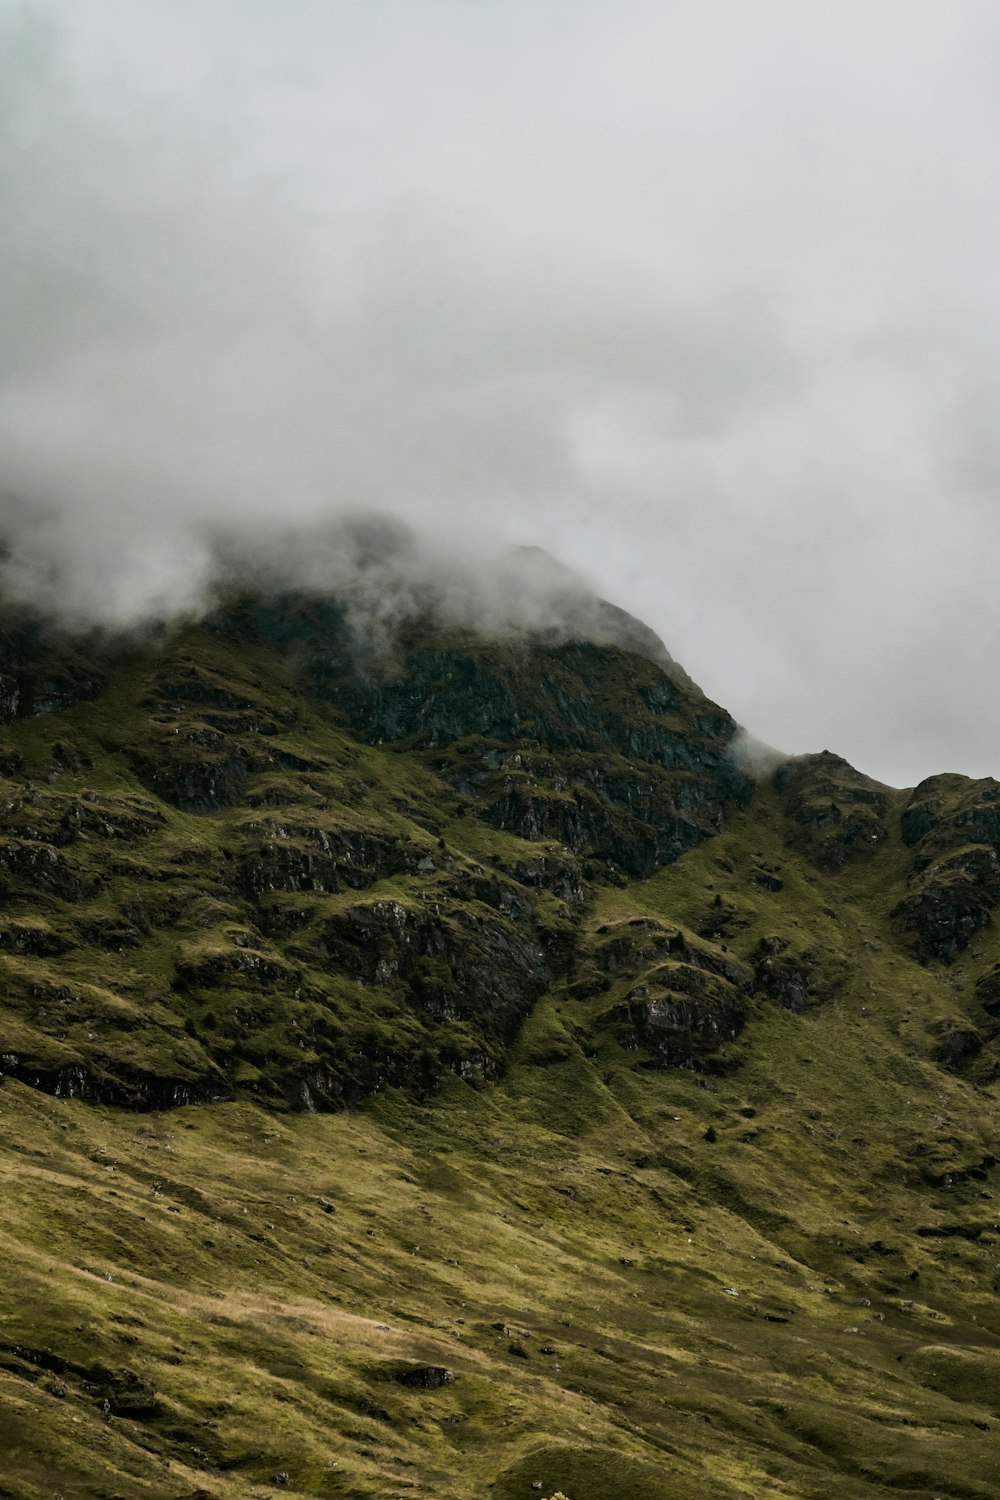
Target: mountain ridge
(619, 1025)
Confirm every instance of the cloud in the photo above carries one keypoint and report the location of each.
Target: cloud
(699, 298)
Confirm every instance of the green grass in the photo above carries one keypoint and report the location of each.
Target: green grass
(267, 1275)
(771, 1274)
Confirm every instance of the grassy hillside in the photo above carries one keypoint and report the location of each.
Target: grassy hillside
(455, 1077)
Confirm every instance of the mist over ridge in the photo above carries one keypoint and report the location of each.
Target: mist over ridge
(383, 572)
(700, 303)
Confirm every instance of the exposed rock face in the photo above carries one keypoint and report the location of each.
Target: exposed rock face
(633, 946)
(949, 906)
(793, 979)
(197, 769)
(10, 698)
(31, 862)
(44, 670)
(953, 826)
(958, 1047)
(62, 819)
(952, 809)
(275, 861)
(281, 855)
(576, 762)
(604, 752)
(988, 991)
(836, 814)
(470, 965)
(680, 1015)
(128, 1088)
(426, 1377)
(31, 936)
(689, 1001)
(633, 824)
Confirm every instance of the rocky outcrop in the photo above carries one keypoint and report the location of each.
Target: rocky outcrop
(62, 818)
(243, 960)
(952, 824)
(630, 826)
(196, 768)
(608, 753)
(944, 811)
(635, 944)
(949, 904)
(45, 670)
(794, 979)
(41, 867)
(685, 1001)
(459, 964)
(10, 698)
(281, 855)
(128, 1088)
(425, 1377)
(679, 1016)
(32, 936)
(554, 869)
(834, 813)
(958, 1046)
(988, 991)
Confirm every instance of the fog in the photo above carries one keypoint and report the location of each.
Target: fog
(698, 297)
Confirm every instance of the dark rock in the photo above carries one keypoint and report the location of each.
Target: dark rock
(426, 1377)
(958, 1046)
(110, 933)
(633, 946)
(283, 856)
(237, 962)
(834, 813)
(461, 966)
(41, 867)
(10, 697)
(31, 936)
(988, 991)
(971, 1232)
(45, 670)
(582, 713)
(198, 770)
(680, 1015)
(952, 824)
(123, 1393)
(955, 809)
(793, 979)
(950, 903)
(131, 1088)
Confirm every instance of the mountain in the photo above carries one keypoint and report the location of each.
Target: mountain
(446, 1066)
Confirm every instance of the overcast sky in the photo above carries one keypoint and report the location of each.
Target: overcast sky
(701, 295)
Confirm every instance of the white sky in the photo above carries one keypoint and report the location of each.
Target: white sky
(703, 296)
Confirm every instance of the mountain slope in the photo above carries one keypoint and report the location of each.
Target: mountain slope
(672, 1095)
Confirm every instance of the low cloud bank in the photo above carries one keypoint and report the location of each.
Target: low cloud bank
(383, 571)
(698, 298)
